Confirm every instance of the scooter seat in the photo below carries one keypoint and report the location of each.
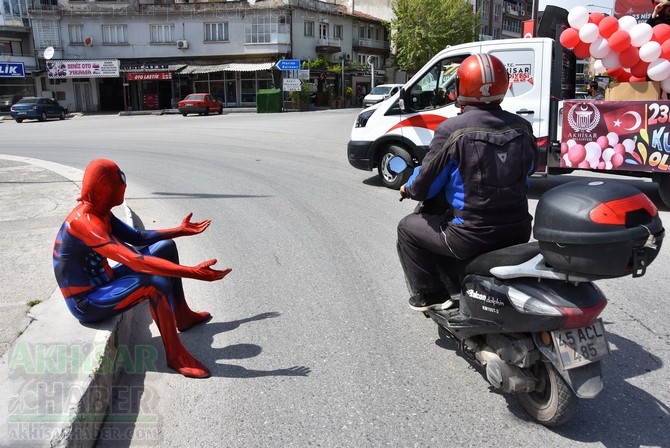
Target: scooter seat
(507, 256)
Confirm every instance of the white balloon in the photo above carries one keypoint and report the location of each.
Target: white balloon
(611, 60)
(599, 67)
(578, 17)
(571, 143)
(640, 34)
(650, 51)
(665, 85)
(566, 161)
(612, 138)
(627, 23)
(629, 144)
(607, 154)
(599, 48)
(589, 32)
(593, 152)
(659, 69)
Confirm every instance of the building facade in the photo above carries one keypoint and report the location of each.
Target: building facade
(115, 55)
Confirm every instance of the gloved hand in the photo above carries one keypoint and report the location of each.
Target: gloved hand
(203, 271)
(193, 228)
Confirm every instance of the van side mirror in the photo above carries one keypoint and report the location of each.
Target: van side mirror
(402, 97)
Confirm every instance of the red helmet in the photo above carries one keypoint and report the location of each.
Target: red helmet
(481, 79)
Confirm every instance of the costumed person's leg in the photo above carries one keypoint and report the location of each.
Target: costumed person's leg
(129, 289)
(185, 316)
(420, 239)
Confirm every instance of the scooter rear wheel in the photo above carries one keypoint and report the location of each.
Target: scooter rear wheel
(554, 403)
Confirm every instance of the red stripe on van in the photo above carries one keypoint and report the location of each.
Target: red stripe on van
(428, 121)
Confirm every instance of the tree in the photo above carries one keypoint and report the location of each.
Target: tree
(421, 28)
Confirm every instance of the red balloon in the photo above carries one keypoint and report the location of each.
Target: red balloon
(569, 38)
(607, 26)
(596, 17)
(615, 72)
(665, 49)
(623, 77)
(660, 33)
(637, 78)
(619, 40)
(582, 50)
(629, 57)
(639, 70)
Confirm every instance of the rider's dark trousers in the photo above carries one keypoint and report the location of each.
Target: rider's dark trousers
(421, 246)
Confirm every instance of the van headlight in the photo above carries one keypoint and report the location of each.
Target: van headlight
(363, 117)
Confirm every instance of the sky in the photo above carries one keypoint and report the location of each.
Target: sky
(601, 5)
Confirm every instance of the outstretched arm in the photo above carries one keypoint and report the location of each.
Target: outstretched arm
(94, 233)
(145, 237)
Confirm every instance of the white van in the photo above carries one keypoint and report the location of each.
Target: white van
(405, 124)
(380, 93)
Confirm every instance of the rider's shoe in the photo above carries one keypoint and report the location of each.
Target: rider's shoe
(419, 302)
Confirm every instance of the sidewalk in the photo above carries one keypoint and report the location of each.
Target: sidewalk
(55, 374)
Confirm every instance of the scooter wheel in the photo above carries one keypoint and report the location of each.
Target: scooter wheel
(553, 403)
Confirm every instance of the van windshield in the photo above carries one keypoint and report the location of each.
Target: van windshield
(381, 90)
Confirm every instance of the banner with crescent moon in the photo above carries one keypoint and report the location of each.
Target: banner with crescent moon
(616, 135)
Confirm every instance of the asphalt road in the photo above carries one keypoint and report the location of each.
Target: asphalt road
(312, 342)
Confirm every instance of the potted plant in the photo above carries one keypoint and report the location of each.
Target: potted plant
(348, 93)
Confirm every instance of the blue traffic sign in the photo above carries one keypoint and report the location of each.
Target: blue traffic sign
(12, 70)
(288, 64)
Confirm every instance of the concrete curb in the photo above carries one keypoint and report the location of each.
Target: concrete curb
(56, 378)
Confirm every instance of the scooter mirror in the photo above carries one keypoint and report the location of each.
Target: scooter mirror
(397, 165)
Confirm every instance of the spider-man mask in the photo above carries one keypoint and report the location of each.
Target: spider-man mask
(103, 186)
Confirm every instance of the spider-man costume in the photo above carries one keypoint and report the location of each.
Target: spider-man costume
(95, 291)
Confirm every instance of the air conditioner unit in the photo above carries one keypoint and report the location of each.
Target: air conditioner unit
(182, 44)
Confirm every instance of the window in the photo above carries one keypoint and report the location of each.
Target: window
(323, 30)
(6, 47)
(338, 32)
(76, 33)
(260, 29)
(46, 33)
(486, 6)
(162, 34)
(216, 32)
(114, 34)
(309, 29)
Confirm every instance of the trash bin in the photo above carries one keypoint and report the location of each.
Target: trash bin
(268, 100)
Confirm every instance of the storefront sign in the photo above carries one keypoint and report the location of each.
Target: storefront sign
(12, 70)
(99, 68)
(616, 135)
(159, 76)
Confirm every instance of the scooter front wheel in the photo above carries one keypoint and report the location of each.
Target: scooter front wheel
(553, 403)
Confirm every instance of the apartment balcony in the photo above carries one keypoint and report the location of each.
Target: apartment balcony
(328, 45)
(42, 5)
(371, 45)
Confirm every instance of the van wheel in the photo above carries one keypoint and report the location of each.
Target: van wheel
(61, 116)
(664, 188)
(388, 177)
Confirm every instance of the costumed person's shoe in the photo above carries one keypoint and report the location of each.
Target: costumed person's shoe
(188, 366)
(188, 320)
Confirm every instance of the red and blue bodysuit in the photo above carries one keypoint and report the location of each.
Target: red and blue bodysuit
(95, 291)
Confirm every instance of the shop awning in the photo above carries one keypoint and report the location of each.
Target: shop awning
(228, 67)
(143, 68)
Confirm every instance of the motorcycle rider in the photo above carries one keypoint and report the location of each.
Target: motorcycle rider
(473, 181)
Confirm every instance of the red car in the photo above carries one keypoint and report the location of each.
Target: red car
(200, 103)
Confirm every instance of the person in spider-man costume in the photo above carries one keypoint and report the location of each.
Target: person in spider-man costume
(95, 291)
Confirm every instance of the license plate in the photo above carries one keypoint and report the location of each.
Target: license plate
(189, 104)
(579, 346)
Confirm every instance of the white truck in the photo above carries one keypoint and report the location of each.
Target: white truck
(542, 86)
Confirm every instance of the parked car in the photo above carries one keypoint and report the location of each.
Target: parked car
(580, 95)
(380, 93)
(200, 103)
(36, 108)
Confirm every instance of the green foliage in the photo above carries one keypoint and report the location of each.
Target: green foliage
(348, 92)
(421, 28)
(301, 96)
